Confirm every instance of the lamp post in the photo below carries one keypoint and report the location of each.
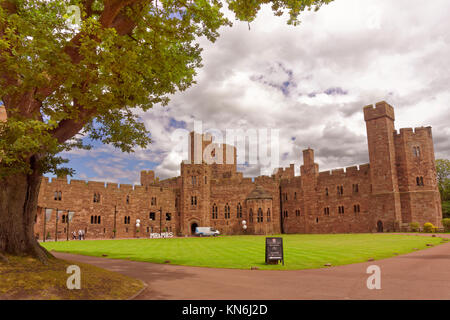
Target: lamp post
(56, 228)
(138, 224)
(115, 215)
(45, 222)
(67, 222)
(244, 225)
(160, 221)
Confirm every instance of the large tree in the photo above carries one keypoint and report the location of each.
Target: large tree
(61, 81)
(443, 177)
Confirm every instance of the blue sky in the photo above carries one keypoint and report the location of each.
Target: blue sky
(310, 82)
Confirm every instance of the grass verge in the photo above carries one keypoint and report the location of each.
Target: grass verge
(27, 278)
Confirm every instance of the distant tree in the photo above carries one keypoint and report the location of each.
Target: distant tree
(443, 177)
(59, 79)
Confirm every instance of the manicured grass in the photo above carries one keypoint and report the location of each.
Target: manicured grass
(24, 278)
(243, 252)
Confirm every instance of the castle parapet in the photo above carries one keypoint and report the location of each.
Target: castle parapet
(381, 109)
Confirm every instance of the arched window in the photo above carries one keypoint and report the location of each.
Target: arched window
(260, 217)
(239, 210)
(99, 220)
(250, 215)
(92, 219)
(214, 211)
(128, 199)
(268, 215)
(95, 220)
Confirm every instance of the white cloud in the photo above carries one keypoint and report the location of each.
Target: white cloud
(312, 81)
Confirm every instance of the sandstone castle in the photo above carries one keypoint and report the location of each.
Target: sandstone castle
(396, 188)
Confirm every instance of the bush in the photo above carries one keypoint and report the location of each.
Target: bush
(446, 223)
(415, 226)
(428, 227)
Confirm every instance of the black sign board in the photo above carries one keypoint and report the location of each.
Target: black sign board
(274, 250)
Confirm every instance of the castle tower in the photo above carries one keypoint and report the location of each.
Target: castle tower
(385, 198)
(309, 173)
(419, 192)
(147, 178)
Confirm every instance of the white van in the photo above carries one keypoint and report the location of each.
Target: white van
(206, 232)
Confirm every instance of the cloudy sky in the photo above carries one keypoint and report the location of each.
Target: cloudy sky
(310, 82)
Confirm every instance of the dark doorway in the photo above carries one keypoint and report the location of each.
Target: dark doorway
(193, 227)
(380, 226)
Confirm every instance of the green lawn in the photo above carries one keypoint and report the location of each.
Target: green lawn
(244, 252)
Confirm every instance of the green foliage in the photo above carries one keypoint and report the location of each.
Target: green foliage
(415, 226)
(446, 209)
(57, 81)
(428, 227)
(446, 224)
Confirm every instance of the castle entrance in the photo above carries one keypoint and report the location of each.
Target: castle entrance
(193, 227)
(380, 226)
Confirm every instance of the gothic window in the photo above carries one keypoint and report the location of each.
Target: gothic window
(295, 195)
(96, 197)
(58, 196)
(357, 208)
(151, 216)
(227, 211)
(260, 215)
(92, 219)
(214, 211)
(419, 181)
(326, 192)
(355, 188)
(341, 209)
(326, 211)
(340, 190)
(168, 216)
(153, 201)
(416, 152)
(268, 215)
(297, 213)
(250, 215)
(239, 211)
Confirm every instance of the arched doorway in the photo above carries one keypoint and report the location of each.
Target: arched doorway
(380, 226)
(193, 227)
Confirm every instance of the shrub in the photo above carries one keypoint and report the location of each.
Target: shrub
(446, 223)
(415, 226)
(428, 227)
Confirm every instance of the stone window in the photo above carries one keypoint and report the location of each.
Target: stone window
(250, 215)
(193, 200)
(206, 180)
(297, 213)
(268, 215)
(260, 217)
(340, 190)
(153, 201)
(239, 211)
(341, 210)
(151, 216)
(96, 197)
(355, 188)
(357, 208)
(214, 211)
(58, 196)
(326, 192)
(128, 199)
(419, 181)
(95, 220)
(317, 220)
(416, 152)
(227, 211)
(295, 195)
(168, 216)
(63, 218)
(326, 211)
(126, 220)
(286, 213)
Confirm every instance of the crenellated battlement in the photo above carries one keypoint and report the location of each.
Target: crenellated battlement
(353, 171)
(380, 110)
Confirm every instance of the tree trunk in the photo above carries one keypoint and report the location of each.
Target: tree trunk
(18, 207)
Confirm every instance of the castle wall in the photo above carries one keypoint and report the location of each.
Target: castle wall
(399, 186)
(115, 203)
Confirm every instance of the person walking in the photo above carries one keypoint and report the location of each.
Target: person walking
(79, 234)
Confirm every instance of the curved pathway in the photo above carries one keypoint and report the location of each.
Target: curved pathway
(423, 274)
